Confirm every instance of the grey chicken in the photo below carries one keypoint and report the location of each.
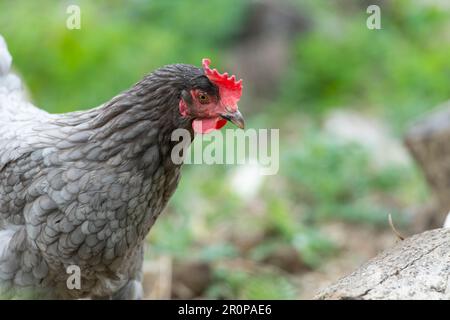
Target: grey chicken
(84, 188)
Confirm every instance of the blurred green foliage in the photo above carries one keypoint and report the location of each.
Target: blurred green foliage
(341, 184)
(395, 73)
(400, 70)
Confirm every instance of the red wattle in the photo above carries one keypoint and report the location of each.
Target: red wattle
(207, 125)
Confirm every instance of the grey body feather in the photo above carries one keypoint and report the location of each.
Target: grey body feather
(84, 188)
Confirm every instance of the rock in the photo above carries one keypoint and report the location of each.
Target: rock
(428, 141)
(351, 127)
(424, 217)
(416, 268)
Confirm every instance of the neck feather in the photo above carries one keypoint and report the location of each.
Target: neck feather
(135, 123)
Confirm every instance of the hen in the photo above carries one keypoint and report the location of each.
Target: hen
(84, 188)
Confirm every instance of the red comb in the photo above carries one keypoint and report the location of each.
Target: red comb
(222, 80)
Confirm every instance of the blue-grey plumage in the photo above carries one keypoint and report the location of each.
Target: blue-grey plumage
(84, 188)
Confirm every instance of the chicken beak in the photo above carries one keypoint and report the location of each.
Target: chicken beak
(235, 118)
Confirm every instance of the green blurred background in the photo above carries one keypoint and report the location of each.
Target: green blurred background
(342, 96)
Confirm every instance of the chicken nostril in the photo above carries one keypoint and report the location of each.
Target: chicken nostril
(229, 109)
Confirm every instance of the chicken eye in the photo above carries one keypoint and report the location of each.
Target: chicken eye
(203, 98)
